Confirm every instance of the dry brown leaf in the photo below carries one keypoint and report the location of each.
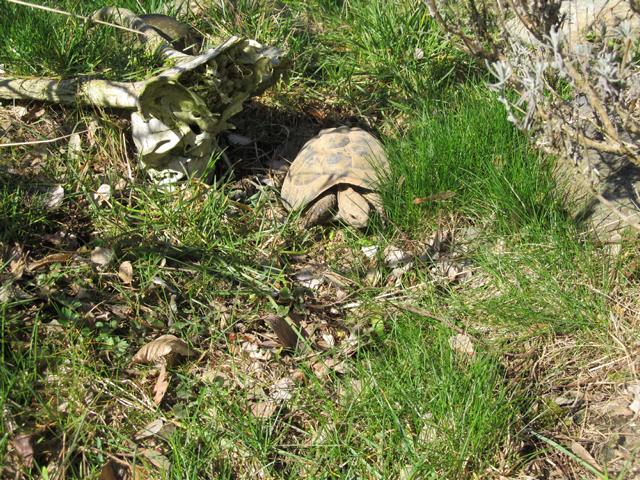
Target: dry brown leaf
(264, 409)
(162, 383)
(282, 389)
(92, 127)
(19, 111)
(328, 341)
(23, 445)
(156, 350)
(150, 429)
(338, 280)
(34, 114)
(370, 251)
(102, 194)
(121, 470)
(125, 272)
(74, 146)
(61, 257)
(462, 343)
(156, 458)
(62, 240)
(18, 263)
(309, 279)
(121, 311)
(158, 428)
(582, 452)
(101, 256)
(54, 197)
(395, 257)
(322, 367)
(453, 272)
(285, 332)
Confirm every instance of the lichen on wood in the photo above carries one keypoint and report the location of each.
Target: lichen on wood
(176, 113)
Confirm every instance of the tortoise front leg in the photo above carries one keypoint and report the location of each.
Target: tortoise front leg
(322, 211)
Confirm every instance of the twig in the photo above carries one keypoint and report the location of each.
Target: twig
(472, 47)
(74, 15)
(425, 313)
(37, 142)
(594, 101)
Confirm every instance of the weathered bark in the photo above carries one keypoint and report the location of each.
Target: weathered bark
(176, 114)
(102, 93)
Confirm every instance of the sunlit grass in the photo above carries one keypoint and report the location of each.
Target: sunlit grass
(209, 269)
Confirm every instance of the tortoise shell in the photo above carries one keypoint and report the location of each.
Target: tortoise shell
(335, 156)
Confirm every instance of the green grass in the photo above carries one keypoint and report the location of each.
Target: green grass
(549, 283)
(463, 144)
(405, 407)
(22, 214)
(210, 270)
(39, 43)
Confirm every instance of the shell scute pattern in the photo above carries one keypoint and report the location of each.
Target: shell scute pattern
(336, 141)
(335, 156)
(338, 158)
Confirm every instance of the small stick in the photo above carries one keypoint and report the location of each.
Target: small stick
(426, 314)
(36, 142)
(69, 14)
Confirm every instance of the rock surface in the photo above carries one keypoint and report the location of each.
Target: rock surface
(581, 16)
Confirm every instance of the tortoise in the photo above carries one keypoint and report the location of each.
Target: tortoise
(334, 177)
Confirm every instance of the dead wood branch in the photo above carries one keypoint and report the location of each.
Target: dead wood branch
(177, 113)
